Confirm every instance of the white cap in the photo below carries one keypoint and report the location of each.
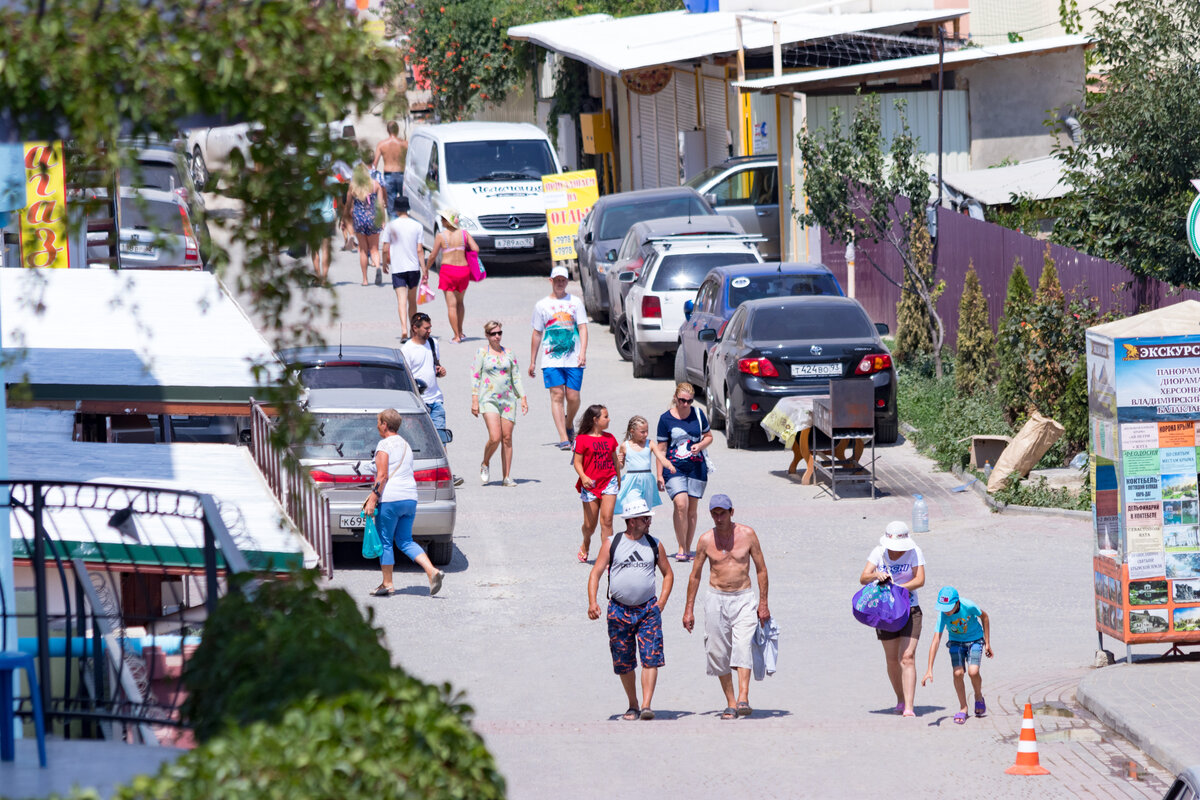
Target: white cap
(559, 272)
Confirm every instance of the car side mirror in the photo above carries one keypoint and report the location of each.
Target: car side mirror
(707, 335)
(587, 237)
(627, 277)
(711, 198)
(883, 328)
(688, 307)
(611, 255)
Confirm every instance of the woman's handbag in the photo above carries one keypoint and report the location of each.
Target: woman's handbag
(884, 606)
(478, 273)
(372, 544)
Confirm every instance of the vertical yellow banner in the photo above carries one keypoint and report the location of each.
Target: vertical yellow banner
(569, 196)
(44, 218)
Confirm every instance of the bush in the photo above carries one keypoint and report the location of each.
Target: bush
(913, 337)
(258, 656)
(404, 740)
(1012, 345)
(974, 367)
(1072, 410)
(945, 420)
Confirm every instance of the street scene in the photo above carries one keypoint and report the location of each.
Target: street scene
(703, 397)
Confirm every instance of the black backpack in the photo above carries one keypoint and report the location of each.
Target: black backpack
(612, 546)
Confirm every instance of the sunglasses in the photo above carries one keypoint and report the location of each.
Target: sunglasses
(496, 333)
(684, 400)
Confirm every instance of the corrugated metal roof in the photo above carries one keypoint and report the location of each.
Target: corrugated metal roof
(630, 43)
(913, 65)
(1039, 178)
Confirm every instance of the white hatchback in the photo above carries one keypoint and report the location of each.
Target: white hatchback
(670, 277)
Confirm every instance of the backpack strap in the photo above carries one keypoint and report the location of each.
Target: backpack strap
(433, 349)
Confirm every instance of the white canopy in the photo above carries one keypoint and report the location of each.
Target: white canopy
(1039, 178)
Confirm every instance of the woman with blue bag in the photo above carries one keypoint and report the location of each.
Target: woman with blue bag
(897, 560)
(395, 493)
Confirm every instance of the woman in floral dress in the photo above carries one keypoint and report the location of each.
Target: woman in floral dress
(495, 390)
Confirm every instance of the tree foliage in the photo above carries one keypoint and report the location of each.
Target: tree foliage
(974, 367)
(462, 47)
(912, 315)
(859, 191)
(1012, 344)
(1131, 175)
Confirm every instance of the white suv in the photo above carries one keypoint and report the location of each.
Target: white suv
(668, 279)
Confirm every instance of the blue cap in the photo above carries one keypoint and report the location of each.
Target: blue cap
(947, 598)
(720, 501)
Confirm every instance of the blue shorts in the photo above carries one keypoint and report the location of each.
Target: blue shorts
(408, 279)
(558, 376)
(634, 629)
(610, 488)
(962, 653)
(437, 414)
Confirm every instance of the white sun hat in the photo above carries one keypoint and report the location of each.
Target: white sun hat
(635, 506)
(896, 537)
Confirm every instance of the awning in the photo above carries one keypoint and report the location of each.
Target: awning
(897, 68)
(1039, 179)
(631, 43)
(131, 341)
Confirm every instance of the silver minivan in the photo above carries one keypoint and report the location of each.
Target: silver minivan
(747, 189)
(340, 457)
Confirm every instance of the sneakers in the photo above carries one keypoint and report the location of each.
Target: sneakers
(484, 474)
(509, 482)
(459, 480)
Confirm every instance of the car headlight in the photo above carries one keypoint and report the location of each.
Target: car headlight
(467, 224)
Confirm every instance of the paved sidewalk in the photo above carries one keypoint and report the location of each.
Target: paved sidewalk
(1153, 705)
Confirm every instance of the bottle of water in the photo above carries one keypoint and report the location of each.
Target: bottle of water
(987, 471)
(920, 522)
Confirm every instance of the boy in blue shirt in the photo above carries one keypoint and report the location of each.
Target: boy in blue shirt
(969, 641)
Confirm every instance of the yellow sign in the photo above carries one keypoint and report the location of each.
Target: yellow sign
(44, 218)
(569, 197)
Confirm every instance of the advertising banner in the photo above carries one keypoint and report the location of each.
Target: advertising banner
(569, 197)
(44, 218)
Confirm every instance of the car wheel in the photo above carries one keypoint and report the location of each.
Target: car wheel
(737, 435)
(642, 367)
(888, 432)
(199, 170)
(621, 339)
(681, 375)
(716, 417)
(440, 553)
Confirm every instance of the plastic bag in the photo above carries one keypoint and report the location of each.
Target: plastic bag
(372, 544)
(884, 606)
(424, 293)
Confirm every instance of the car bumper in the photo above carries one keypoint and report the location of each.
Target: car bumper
(756, 391)
(655, 341)
(490, 253)
(434, 521)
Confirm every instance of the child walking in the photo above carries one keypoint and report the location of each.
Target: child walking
(596, 465)
(636, 458)
(969, 640)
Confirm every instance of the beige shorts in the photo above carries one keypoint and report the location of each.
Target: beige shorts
(730, 619)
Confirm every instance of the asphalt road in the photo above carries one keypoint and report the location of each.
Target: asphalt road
(511, 630)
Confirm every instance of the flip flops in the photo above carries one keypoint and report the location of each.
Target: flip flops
(980, 707)
(743, 709)
(382, 591)
(564, 445)
(647, 714)
(681, 557)
(900, 707)
(631, 714)
(960, 718)
(729, 713)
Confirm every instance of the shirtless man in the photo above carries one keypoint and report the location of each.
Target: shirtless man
(392, 152)
(729, 607)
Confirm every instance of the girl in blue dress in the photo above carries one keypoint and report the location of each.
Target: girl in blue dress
(636, 458)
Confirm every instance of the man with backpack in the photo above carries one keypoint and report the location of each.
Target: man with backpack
(634, 613)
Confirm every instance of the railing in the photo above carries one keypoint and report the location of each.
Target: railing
(112, 585)
(305, 505)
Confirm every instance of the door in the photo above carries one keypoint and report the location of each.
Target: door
(750, 195)
(693, 348)
(420, 207)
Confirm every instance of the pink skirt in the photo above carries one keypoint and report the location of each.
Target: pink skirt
(454, 278)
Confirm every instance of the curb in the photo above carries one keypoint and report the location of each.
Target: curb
(1005, 508)
(1142, 736)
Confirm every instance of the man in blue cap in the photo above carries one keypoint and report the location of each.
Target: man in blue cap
(969, 640)
(731, 612)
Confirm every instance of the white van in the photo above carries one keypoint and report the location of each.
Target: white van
(491, 174)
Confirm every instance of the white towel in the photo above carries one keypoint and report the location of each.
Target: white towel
(765, 649)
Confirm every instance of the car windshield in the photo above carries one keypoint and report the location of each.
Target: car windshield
(354, 436)
(151, 215)
(618, 219)
(357, 376)
(701, 178)
(783, 323)
(756, 287)
(686, 270)
(498, 160)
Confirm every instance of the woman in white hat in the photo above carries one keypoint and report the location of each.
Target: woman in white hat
(454, 275)
(898, 559)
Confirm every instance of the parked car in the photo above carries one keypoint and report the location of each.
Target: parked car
(746, 188)
(350, 367)
(601, 231)
(724, 289)
(1186, 785)
(219, 146)
(785, 346)
(340, 458)
(637, 246)
(161, 167)
(156, 231)
(673, 271)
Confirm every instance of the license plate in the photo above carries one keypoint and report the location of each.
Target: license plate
(139, 249)
(810, 370)
(352, 521)
(514, 243)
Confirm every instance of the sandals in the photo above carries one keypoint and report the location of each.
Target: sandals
(582, 556)
(564, 445)
(900, 707)
(743, 709)
(681, 557)
(980, 707)
(382, 591)
(631, 714)
(729, 713)
(960, 718)
(647, 714)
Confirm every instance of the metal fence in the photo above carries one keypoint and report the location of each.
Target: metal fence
(111, 587)
(993, 249)
(305, 505)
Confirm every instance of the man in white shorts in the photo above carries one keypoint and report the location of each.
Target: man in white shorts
(731, 614)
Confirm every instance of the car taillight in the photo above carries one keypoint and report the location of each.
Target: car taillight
(651, 307)
(761, 367)
(876, 362)
(321, 476)
(191, 249)
(439, 477)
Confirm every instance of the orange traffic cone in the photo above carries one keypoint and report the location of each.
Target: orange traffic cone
(1027, 754)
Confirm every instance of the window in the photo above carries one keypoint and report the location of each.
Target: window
(619, 219)
(747, 187)
(703, 297)
(735, 326)
(498, 160)
(354, 436)
(686, 270)
(151, 215)
(777, 285)
(782, 322)
(357, 376)
(431, 176)
(154, 175)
